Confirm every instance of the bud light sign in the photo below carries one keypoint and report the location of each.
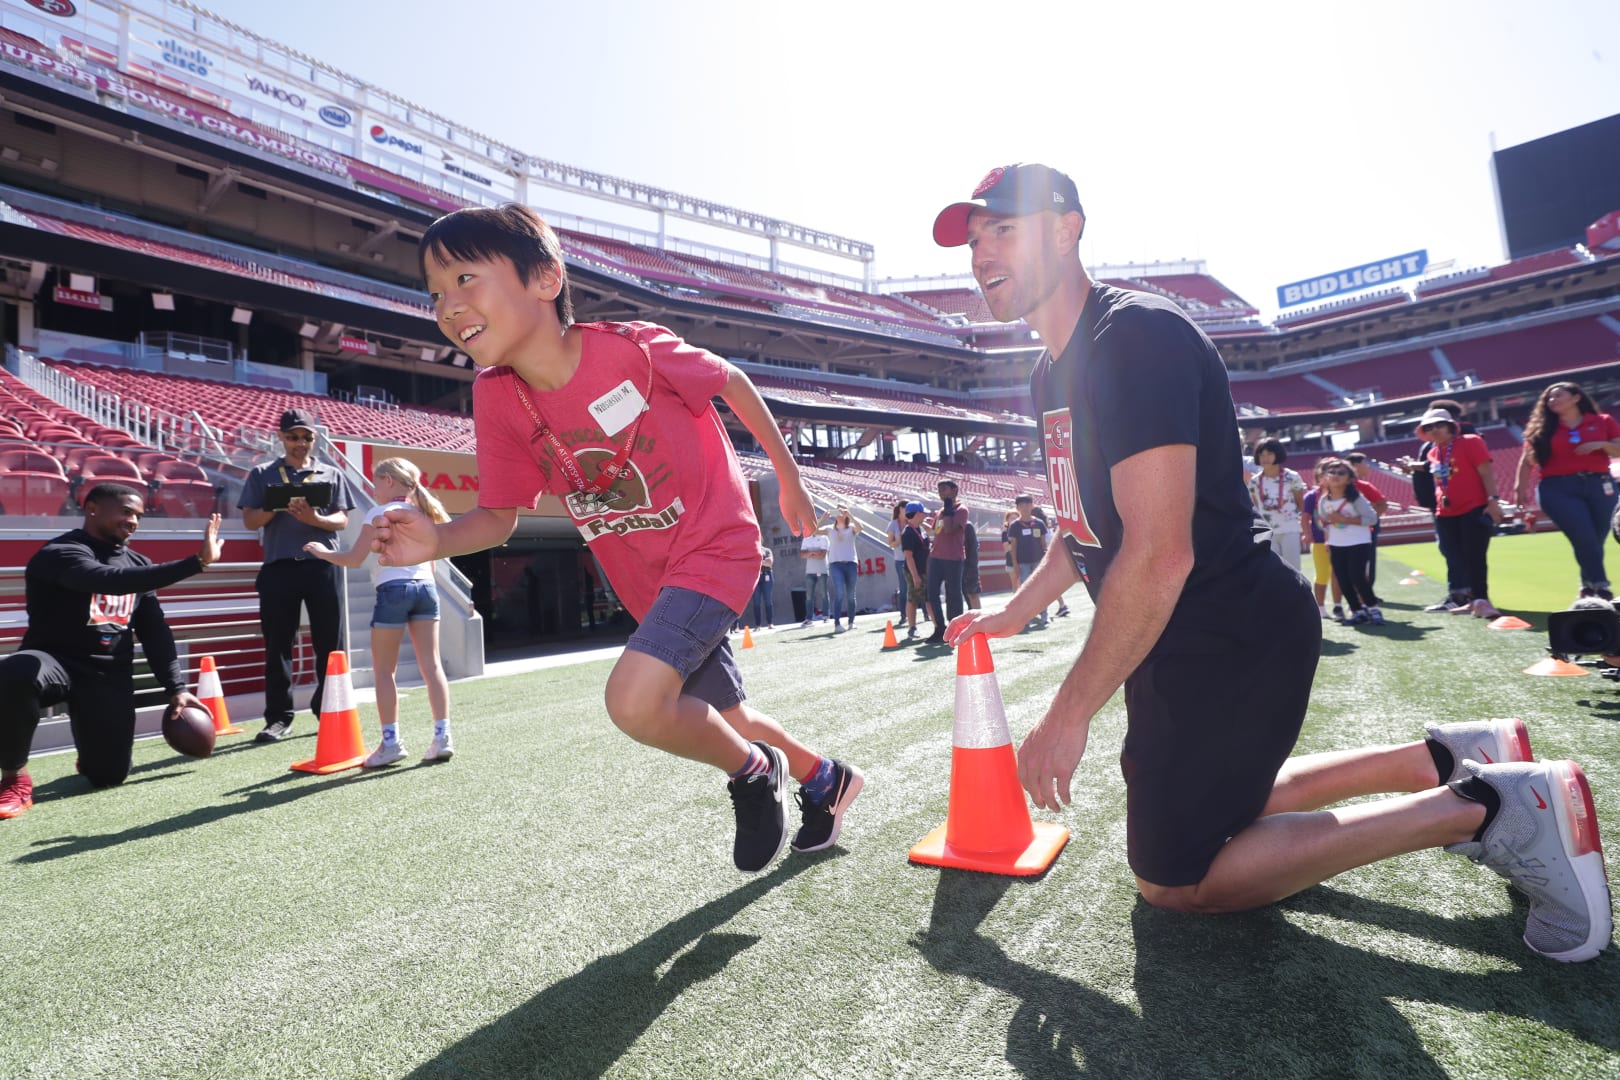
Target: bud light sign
(1328, 286)
(384, 138)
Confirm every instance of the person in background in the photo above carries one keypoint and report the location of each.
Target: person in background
(1571, 443)
(1279, 495)
(1375, 498)
(914, 546)
(291, 578)
(1321, 560)
(970, 565)
(407, 599)
(1007, 520)
(813, 549)
(946, 560)
(1039, 512)
(1468, 510)
(897, 526)
(1346, 519)
(86, 591)
(764, 602)
(1030, 537)
(845, 567)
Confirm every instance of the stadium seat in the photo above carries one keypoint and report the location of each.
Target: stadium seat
(95, 470)
(32, 483)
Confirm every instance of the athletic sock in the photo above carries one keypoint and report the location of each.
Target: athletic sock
(390, 733)
(1474, 789)
(757, 763)
(819, 782)
(1444, 760)
(441, 728)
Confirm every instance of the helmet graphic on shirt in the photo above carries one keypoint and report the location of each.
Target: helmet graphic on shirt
(629, 491)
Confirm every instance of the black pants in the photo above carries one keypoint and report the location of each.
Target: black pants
(1372, 559)
(101, 711)
(284, 586)
(1350, 567)
(1465, 539)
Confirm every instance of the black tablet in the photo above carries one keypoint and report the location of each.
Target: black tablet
(277, 496)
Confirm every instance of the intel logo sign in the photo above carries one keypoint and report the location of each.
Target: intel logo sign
(383, 138)
(335, 116)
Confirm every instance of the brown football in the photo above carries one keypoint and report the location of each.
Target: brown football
(189, 731)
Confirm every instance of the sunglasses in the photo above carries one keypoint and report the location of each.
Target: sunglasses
(290, 437)
(1338, 472)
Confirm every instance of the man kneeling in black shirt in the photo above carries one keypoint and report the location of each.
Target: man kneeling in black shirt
(86, 590)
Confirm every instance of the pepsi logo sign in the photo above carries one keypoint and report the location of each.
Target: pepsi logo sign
(62, 9)
(382, 137)
(335, 116)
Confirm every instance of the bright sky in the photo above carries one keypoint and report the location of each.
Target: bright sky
(1275, 141)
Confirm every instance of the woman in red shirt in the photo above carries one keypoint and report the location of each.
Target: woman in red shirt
(1572, 442)
(1467, 510)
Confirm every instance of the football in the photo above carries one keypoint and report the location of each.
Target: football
(189, 731)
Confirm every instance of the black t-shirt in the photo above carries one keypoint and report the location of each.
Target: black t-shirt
(912, 540)
(1028, 539)
(1136, 375)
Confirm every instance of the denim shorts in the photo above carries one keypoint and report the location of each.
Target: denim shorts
(401, 602)
(687, 630)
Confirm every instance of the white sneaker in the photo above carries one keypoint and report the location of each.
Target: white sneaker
(386, 754)
(443, 748)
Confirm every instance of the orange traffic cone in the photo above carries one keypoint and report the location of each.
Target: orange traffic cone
(1552, 665)
(339, 744)
(1509, 622)
(212, 695)
(987, 826)
(748, 638)
(889, 640)
(1407, 581)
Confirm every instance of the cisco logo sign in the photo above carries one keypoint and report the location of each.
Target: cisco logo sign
(335, 116)
(382, 138)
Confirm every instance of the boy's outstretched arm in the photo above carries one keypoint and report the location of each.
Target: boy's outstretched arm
(741, 396)
(405, 536)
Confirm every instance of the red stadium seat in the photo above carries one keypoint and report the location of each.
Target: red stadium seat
(31, 482)
(95, 470)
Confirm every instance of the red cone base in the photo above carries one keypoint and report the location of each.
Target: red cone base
(996, 836)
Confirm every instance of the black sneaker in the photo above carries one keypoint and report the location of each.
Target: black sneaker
(761, 809)
(823, 819)
(274, 731)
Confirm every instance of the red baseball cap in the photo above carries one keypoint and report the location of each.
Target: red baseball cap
(1012, 191)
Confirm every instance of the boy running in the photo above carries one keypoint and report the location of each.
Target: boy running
(617, 420)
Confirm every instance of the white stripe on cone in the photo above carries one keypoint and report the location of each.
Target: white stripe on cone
(981, 720)
(338, 697)
(208, 687)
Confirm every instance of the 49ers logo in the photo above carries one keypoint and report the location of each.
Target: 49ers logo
(627, 493)
(1057, 427)
(112, 610)
(991, 180)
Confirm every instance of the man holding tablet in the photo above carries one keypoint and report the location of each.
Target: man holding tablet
(295, 499)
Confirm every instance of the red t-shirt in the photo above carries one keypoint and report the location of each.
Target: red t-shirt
(680, 514)
(1457, 482)
(1562, 460)
(1369, 491)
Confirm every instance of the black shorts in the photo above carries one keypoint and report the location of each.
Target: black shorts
(1213, 713)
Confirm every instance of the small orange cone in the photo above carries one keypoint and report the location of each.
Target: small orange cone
(748, 638)
(1554, 666)
(987, 826)
(1415, 573)
(212, 695)
(339, 744)
(1407, 581)
(889, 640)
(1509, 622)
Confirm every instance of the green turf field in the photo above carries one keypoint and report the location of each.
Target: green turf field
(559, 902)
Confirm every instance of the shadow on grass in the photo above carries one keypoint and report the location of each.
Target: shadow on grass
(257, 798)
(1335, 647)
(1257, 995)
(583, 1024)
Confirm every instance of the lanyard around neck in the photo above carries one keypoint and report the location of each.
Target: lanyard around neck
(609, 472)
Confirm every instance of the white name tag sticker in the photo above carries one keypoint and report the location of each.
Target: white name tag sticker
(615, 409)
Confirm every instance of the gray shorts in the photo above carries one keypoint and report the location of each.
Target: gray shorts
(687, 631)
